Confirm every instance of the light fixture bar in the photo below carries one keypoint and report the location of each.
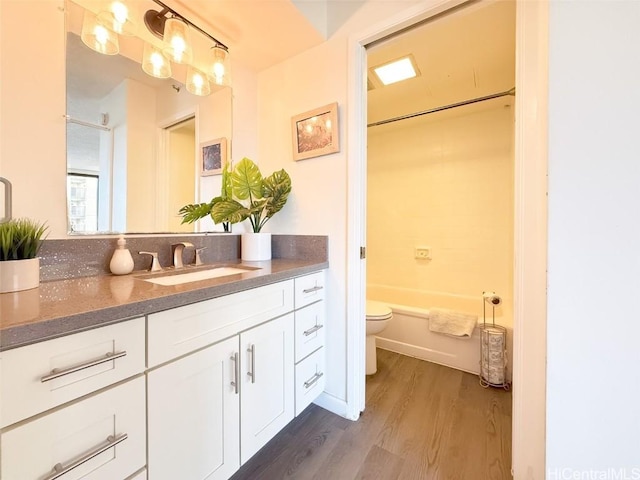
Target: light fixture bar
(166, 9)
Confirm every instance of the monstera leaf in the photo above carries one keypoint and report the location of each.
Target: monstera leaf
(275, 190)
(229, 210)
(246, 181)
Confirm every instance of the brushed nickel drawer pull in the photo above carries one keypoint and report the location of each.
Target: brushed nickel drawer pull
(55, 373)
(58, 470)
(313, 329)
(309, 383)
(252, 373)
(312, 289)
(236, 371)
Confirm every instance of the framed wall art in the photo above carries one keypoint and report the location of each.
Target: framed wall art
(213, 156)
(316, 132)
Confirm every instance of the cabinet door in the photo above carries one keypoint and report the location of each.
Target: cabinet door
(193, 413)
(267, 397)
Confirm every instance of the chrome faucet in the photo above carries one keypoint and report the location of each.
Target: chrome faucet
(176, 250)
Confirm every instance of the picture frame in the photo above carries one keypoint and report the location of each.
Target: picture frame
(316, 132)
(213, 156)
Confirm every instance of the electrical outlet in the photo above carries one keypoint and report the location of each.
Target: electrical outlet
(423, 253)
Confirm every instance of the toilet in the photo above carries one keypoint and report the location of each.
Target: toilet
(378, 317)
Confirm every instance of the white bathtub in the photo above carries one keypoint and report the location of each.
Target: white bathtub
(408, 333)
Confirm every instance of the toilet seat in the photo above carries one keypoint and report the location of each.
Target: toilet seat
(376, 311)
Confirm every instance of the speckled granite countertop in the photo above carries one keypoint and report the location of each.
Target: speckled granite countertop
(62, 307)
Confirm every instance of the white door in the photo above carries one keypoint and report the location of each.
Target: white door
(267, 395)
(193, 414)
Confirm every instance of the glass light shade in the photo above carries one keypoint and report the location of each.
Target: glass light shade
(154, 62)
(176, 36)
(197, 82)
(219, 66)
(119, 18)
(98, 37)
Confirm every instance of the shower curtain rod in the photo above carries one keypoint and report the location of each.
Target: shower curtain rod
(86, 124)
(511, 92)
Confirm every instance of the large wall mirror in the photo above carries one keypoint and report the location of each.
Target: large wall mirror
(133, 140)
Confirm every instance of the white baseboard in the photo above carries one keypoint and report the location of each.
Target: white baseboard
(334, 405)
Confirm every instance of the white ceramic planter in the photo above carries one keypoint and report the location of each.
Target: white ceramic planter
(255, 247)
(17, 275)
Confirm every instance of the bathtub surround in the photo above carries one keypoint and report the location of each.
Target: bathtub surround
(458, 167)
(85, 257)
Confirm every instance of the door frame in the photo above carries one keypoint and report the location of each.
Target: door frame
(530, 221)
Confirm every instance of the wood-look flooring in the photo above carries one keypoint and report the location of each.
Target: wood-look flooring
(422, 421)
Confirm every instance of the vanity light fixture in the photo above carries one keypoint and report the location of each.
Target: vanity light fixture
(197, 82)
(119, 16)
(219, 68)
(173, 28)
(176, 37)
(154, 62)
(100, 33)
(98, 37)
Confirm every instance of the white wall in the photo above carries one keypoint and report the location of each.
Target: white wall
(444, 181)
(593, 385)
(32, 105)
(318, 202)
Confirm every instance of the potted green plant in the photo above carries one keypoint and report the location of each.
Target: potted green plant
(246, 194)
(20, 242)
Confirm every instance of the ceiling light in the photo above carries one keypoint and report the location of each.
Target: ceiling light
(98, 37)
(396, 71)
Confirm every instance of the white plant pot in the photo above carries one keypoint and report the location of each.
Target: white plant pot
(17, 275)
(256, 247)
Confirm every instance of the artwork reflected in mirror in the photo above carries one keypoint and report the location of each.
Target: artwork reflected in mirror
(133, 139)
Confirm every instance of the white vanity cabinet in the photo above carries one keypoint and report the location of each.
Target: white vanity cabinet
(221, 382)
(266, 394)
(193, 415)
(74, 407)
(309, 339)
(101, 437)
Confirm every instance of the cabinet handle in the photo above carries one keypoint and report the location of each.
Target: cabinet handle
(236, 371)
(313, 289)
(58, 470)
(309, 383)
(252, 373)
(55, 373)
(313, 329)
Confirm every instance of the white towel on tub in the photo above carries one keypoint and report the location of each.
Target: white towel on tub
(452, 323)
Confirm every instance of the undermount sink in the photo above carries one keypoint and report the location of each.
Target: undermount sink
(186, 277)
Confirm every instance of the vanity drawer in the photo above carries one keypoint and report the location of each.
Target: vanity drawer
(30, 385)
(107, 430)
(310, 378)
(309, 330)
(309, 289)
(181, 330)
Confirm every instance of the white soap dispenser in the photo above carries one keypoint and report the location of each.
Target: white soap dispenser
(122, 261)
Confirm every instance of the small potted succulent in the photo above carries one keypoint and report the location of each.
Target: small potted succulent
(246, 194)
(20, 242)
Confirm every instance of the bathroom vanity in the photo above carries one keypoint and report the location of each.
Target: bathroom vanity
(162, 382)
